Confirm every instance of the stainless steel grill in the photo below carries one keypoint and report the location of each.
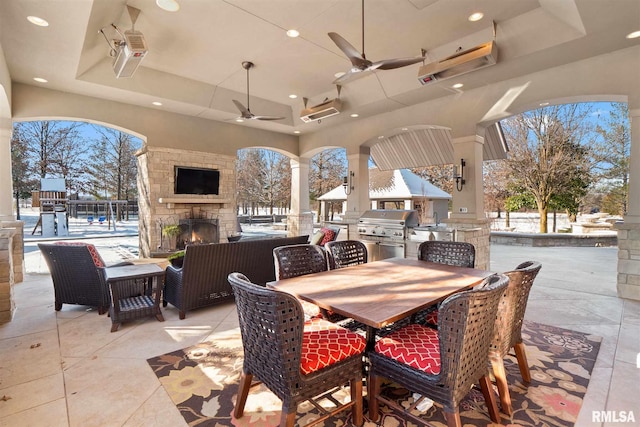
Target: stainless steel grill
(384, 231)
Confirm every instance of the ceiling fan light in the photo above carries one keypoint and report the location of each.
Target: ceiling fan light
(168, 5)
(239, 120)
(339, 74)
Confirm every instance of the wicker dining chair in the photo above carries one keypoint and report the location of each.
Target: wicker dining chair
(442, 364)
(298, 260)
(345, 253)
(297, 360)
(75, 271)
(508, 329)
(459, 254)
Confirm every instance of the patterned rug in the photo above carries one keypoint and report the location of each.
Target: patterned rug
(202, 382)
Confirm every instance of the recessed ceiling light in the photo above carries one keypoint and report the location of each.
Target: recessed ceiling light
(293, 33)
(381, 137)
(158, 103)
(544, 104)
(405, 129)
(168, 5)
(633, 35)
(293, 96)
(296, 131)
(239, 120)
(40, 80)
(476, 16)
(37, 21)
(354, 115)
(457, 85)
(339, 74)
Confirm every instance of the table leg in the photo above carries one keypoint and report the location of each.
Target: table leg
(371, 338)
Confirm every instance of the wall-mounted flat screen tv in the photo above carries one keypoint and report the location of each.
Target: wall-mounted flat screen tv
(196, 180)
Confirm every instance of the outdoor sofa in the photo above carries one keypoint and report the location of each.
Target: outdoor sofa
(202, 279)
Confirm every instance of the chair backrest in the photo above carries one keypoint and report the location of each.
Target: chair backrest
(513, 306)
(271, 325)
(298, 260)
(465, 328)
(460, 254)
(75, 272)
(344, 253)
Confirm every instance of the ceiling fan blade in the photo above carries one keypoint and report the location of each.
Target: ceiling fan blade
(245, 112)
(352, 53)
(267, 118)
(390, 64)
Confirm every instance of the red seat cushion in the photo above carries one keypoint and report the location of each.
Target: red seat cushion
(415, 345)
(329, 236)
(325, 343)
(97, 259)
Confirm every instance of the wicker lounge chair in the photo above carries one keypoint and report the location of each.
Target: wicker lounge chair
(508, 331)
(447, 362)
(75, 271)
(344, 253)
(296, 360)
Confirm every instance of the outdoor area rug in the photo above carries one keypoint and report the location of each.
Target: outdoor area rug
(202, 381)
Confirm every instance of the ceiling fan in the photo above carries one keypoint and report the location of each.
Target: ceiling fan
(245, 113)
(360, 62)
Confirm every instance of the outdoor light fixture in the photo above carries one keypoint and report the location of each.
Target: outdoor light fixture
(347, 183)
(458, 175)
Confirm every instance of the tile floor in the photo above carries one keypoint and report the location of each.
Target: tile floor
(67, 369)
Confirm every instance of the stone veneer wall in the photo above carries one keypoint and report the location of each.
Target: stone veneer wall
(11, 265)
(159, 205)
(476, 232)
(628, 260)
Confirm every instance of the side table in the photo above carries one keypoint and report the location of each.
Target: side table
(135, 292)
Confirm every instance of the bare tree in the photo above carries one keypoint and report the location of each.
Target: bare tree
(112, 165)
(250, 180)
(612, 159)
(547, 152)
(23, 179)
(440, 175)
(326, 171)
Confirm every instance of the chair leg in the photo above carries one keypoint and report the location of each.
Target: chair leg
(489, 398)
(115, 326)
(182, 315)
(521, 355)
(497, 363)
(373, 389)
(58, 306)
(356, 397)
(288, 419)
(453, 419)
(243, 392)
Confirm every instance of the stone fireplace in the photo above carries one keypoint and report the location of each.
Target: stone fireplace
(213, 215)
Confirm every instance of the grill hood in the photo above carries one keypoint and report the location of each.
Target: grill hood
(406, 218)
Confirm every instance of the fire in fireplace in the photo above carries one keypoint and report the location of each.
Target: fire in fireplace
(197, 232)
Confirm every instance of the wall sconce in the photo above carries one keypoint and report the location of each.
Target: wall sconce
(347, 183)
(458, 175)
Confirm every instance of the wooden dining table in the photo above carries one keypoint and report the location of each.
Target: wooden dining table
(381, 292)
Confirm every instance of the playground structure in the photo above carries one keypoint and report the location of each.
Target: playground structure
(55, 209)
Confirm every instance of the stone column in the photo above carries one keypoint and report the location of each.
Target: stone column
(7, 304)
(467, 216)
(300, 220)
(629, 231)
(17, 248)
(6, 182)
(358, 199)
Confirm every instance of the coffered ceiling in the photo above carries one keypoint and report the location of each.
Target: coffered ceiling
(193, 66)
